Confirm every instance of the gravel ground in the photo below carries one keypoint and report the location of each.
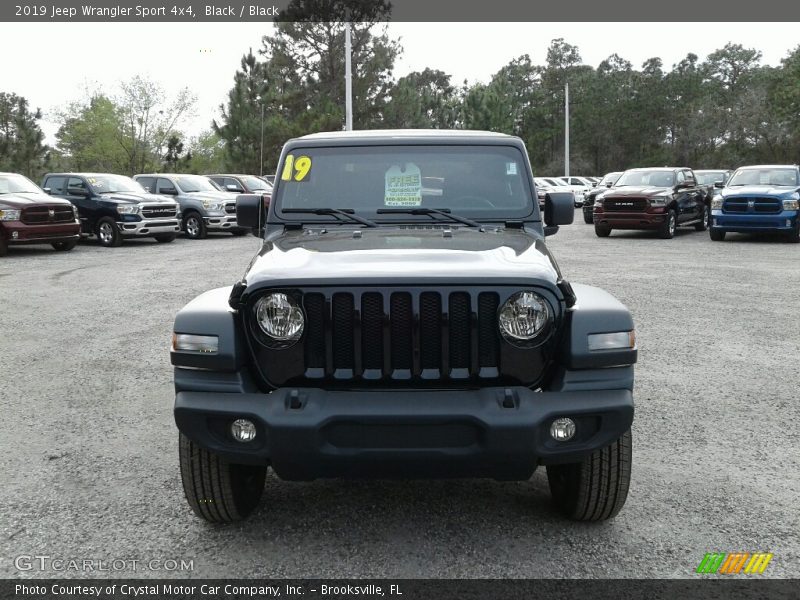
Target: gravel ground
(89, 469)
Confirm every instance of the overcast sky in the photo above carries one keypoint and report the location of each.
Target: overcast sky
(51, 64)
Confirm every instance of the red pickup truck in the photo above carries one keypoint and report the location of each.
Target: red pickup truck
(30, 216)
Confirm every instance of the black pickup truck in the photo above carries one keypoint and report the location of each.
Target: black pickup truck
(404, 318)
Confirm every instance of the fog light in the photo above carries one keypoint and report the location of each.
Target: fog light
(15, 235)
(243, 430)
(563, 429)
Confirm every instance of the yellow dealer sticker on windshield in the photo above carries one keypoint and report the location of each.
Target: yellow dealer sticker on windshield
(296, 168)
(403, 186)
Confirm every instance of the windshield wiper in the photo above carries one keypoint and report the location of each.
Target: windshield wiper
(445, 212)
(338, 212)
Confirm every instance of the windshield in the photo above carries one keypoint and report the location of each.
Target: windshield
(778, 177)
(195, 183)
(17, 184)
(610, 178)
(653, 178)
(709, 177)
(109, 184)
(482, 182)
(255, 184)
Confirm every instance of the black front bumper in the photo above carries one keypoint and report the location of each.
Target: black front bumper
(503, 433)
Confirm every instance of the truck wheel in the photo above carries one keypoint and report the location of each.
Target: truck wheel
(3, 245)
(219, 491)
(165, 238)
(602, 230)
(107, 233)
(703, 224)
(595, 489)
(667, 229)
(194, 226)
(587, 218)
(65, 246)
(716, 235)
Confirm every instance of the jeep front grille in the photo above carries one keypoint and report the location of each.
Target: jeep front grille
(401, 334)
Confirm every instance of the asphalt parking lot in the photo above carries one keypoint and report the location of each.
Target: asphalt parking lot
(89, 463)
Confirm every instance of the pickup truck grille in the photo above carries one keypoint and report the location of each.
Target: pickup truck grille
(41, 215)
(752, 205)
(402, 334)
(159, 212)
(625, 204)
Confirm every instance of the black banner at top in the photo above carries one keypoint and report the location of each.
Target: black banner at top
(672, 14)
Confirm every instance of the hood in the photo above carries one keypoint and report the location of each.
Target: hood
(395, 255)
(757, 190)
(25, 200)
(636, 190)
(214, 196)
(135, 198)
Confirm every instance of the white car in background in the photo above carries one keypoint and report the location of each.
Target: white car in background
(578, 185)
(544, 185)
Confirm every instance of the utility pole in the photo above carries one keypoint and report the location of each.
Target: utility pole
(566, 130)
(261, 154)
(348, 77)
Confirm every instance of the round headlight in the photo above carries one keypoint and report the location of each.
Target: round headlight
(280, 317)
(524, 317)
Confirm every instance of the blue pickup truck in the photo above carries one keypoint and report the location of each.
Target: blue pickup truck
(758, 199)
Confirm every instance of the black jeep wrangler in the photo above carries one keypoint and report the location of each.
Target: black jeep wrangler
(404, 318)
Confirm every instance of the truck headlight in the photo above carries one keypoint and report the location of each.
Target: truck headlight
(716, 203)
(660, 200)
(9, 214)
(127, 209)
(524, 317)
(280, 317)
(213, 206)
(790, 205)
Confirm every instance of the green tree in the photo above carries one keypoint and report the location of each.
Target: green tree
(89, 137)
(22, 148)
(422, 99)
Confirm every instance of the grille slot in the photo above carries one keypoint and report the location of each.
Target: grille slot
(430, 330)
(459, 330)
(162, 212)
(314, 305)
(626, 205)
(342, 329)
(489, 343)
(372, 330)
(402, 320)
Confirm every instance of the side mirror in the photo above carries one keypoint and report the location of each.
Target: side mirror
(719, 184)
(609, 184)
(75, 191)
(233, 188)
(559, 209)
(47, 190)
(251, 212)
(168, 191)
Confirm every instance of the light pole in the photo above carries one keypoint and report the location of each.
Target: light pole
(348, 77)
(566, 130)
(261, 154)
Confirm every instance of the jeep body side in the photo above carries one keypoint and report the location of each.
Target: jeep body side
(758, 199)
(404, 318)
(204, 208)
(29, 216)
(655, 199)
(114, 208)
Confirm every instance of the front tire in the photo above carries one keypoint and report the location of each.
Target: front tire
(602, 230)
(217, 490)
(194, 226)
(595, 489)
(165, 238)
(793, 237)
(703, 224)
(667, 229)
(588, 218)
(65, 246)
(3, 245)
(716, 235)
(108, 234)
